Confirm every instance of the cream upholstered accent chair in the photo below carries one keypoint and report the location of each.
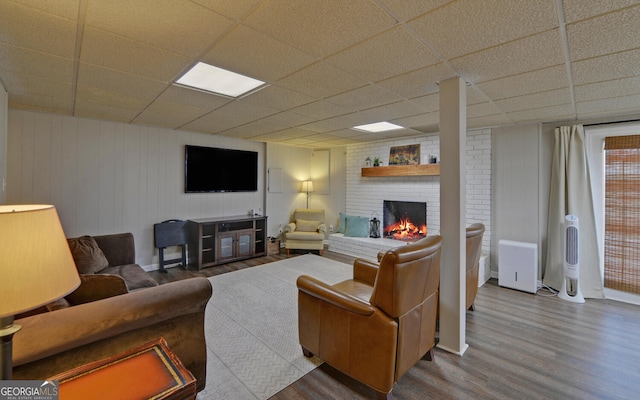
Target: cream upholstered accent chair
(306, 230)
(379, 324)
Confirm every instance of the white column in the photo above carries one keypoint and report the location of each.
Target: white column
(453, 132)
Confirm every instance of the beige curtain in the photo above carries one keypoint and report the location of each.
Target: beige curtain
(570, 193)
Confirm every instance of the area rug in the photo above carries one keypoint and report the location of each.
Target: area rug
(251, 325)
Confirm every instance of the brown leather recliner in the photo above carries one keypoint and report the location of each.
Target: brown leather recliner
(375, 327)
(474, 248)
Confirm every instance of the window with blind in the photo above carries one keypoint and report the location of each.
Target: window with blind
(622, 213)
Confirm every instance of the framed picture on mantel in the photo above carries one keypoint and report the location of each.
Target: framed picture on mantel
(404, 155)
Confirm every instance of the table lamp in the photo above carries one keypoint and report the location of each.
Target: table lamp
(36, 267)
(307, 187)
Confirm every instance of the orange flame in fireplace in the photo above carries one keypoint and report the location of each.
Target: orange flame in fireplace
(405, 230)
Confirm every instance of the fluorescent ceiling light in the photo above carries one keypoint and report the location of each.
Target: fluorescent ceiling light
(378, 127)
(217, 80)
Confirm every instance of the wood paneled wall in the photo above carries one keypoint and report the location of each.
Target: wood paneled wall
(105, 177)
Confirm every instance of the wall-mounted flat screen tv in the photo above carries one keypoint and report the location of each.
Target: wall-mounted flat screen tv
(211, 169)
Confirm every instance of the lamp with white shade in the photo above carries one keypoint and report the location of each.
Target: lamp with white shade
(36, 268)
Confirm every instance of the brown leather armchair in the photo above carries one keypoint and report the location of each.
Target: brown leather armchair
(474, 248)
(379, 324)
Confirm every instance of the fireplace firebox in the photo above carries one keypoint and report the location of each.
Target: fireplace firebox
(404, 220)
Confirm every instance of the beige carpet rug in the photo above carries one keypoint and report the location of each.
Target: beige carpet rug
(251, 325)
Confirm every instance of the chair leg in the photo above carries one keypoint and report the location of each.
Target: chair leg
(385, 396)
(429, 355)
(306, 352)
(320, 251)
(288, 251)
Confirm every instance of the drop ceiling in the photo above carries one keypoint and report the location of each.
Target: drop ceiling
(329, 64)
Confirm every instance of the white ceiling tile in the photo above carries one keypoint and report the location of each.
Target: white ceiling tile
(405, 10)
(420, 82)
(541, 80)
(257, 128)
(26, 27)
(605, 68)
(250, 111)
(321, 80)
(169, 115)
(248, 52)
(278, 97)
(217, 121)
(321, 109)
(235, 9)
(288, 118)
(516, 57)
(113, 52)
(39, 94)
(419, 122)
(178, 25)
(428, 103)
(91, 104)
(466, 26)
(482, 110)
(343, 23)
(365, 97)
(475, 95)
(119, 82)
(192, 98)
(388, 112)
(67, 9)
(606, 34)
(618, 103)
(330, 124)
(553, 113)
(240, 133)
(608, 89)
(24, 61)
(536, 100)
(107, 98)
(386, 55)
(488, 121)
(618, 115)
(575, 10)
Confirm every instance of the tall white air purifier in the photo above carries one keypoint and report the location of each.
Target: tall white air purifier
(571, 267)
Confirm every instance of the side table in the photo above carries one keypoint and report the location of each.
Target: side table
(150, 371)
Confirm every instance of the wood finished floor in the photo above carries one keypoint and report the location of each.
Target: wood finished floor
(521, 346)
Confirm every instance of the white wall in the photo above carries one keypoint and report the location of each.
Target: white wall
(4, 105)
(105, 177)
(365, 195)
(295, 163)
(517, 179)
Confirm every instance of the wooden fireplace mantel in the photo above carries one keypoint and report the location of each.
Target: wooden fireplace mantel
(403, 170)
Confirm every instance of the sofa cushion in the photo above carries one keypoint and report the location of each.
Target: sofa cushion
(304, 225)
(134, 276)
(357, 226)
(87, 255)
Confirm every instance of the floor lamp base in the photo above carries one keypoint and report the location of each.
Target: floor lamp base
(7, 329)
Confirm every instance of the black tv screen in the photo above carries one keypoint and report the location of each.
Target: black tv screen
(210, 169)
